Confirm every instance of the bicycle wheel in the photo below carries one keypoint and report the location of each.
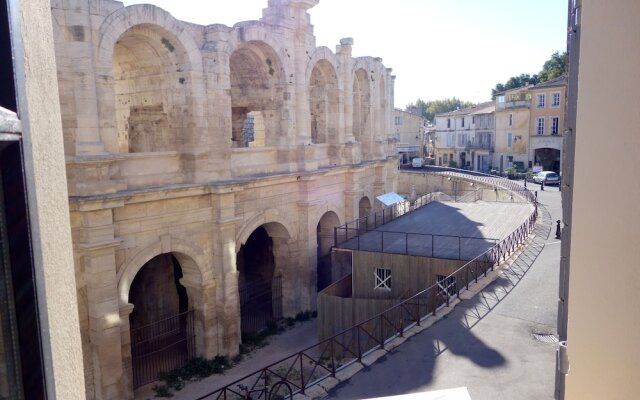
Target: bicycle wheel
(280, 391)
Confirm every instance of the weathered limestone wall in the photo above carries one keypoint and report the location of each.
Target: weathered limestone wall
(160, 159)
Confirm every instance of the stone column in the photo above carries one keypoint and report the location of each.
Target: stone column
(217, 106)
(125, 340)
(344, 55)
(78, 88)
(202, 300)
(227, 312)
(307, 272)
(97, 244)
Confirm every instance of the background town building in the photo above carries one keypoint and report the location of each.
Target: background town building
(410, 133)
(512, 117)
(547, 123)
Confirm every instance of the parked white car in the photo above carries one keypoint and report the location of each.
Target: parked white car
(548, 177)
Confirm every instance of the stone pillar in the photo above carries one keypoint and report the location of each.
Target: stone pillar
(307, 272)
(227, 312)
(202, 300)
(344, 56)
(217, 107)
(97, 244)
(78, 76)
(125, 340)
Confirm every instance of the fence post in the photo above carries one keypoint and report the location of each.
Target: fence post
(381, 334)
(467, 277)
(302, 374)
(333, 361)
(406, 243)
(359, 348)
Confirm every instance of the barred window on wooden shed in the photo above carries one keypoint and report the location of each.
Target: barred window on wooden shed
(383, 278)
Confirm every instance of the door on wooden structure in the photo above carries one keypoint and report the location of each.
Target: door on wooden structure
(162, 334)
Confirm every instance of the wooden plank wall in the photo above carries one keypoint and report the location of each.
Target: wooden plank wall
(409, 274)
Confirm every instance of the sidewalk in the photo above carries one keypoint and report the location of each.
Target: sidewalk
(302, 335)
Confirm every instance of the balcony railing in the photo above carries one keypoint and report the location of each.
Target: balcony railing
(479, 146)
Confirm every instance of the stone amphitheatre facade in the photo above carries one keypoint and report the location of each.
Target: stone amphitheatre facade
(205, 160)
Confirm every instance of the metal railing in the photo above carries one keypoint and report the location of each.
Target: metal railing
(315, 363)
(417, 244)
(479, 146)
(161, 346)
(376, 219)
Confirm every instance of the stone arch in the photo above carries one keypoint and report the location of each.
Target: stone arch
(324, 102)
(253, 31)
(191, 258)
(266, 276)
(257, 86)
(325, 241)
(127, 17)
(325, 54)
(278, 227)
(361, 106)
(364, 207)
(160, 113)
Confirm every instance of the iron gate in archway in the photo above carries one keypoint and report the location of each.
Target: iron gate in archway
(260, 302)
(162, 346)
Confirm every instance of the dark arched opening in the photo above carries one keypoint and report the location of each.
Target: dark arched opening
(162, 335)
(324, 234)
(259, 286)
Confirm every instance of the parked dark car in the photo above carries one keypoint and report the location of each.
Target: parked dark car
(548, 177)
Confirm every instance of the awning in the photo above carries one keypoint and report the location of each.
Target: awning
(390, 198)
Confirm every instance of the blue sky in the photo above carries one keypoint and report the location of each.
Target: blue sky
(437, 48)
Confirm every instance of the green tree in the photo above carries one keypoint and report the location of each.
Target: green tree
(429, 109)
(515, 82)
(552, 68)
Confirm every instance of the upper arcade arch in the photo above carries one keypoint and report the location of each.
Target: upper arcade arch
(257, 87)
(145, 58)
(125, 18)
(361, 106)
(324, 99)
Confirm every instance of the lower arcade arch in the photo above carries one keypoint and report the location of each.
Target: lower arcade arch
(161, 323)
(325, 238)
(260, 262)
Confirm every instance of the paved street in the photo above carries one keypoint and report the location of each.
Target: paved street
(487, 343)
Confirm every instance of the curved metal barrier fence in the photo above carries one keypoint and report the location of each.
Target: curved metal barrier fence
(322, 360)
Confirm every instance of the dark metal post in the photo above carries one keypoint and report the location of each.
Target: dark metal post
(542, 186)
(558, 229)
(525, 182)
(406, 243)
(302, 375)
